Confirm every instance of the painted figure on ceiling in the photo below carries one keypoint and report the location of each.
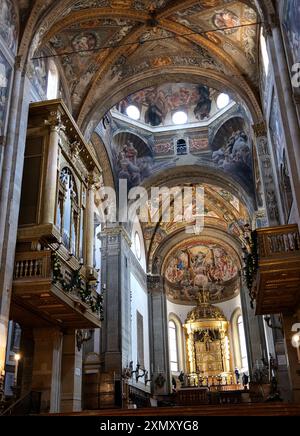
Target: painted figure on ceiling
(203, 108)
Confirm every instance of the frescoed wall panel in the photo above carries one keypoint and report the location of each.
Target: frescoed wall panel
(5, 80)
(9, 24)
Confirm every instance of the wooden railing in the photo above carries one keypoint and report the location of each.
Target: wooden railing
(32, 265)
(277, 280)
(278, 241)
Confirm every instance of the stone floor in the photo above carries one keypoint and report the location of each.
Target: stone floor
(265, 409)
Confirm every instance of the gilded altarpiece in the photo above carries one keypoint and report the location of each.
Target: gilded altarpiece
(208, 349)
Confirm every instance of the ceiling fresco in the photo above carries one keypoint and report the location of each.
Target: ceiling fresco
(197, 265)
(158, 104)
(235, 34)
(99, 43)
(79, 45)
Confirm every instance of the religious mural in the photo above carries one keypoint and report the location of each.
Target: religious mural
(229, 22)
(157, 104)
(5, 75)
(201, 265)
(277, 134)
(227, 145)
(38, 72)
(226, 20)
(291, 20)
(79, 49)
(232, 151)
(8, 24)
(133, 158)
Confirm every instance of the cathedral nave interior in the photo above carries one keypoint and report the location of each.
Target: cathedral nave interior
(174, 303)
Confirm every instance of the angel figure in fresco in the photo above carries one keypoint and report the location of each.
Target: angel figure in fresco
(226, 19)
(156, 110)
(203, 107)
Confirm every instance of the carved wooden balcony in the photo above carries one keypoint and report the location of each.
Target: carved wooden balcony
(278, 278)
(40, 299)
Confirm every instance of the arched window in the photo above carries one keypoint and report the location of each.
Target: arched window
(67, 216)
(264, 52)
(173, 348)
(242, 343)
(181, 147)
(52, 83)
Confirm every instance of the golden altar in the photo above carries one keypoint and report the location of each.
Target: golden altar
(207, 341)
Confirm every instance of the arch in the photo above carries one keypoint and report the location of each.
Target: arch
(104, 159)
(239, 344)
(52, 81)
(92, 111)
(197, 174)
(173, 318)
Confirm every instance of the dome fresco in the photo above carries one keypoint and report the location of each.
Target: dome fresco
(158, 104)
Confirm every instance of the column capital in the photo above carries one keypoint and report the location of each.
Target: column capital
(154, 283)
(260, 129)
(113, 232)
(54, 121)
(93, 180)
(20, 64)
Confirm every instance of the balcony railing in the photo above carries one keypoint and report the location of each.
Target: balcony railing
(46, 280)
(277, 284)
(32, 265)
(276, 242)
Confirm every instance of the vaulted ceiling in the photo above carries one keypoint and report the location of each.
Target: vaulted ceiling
(109, 48)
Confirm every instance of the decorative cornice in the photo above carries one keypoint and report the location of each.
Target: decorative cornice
(116, 231)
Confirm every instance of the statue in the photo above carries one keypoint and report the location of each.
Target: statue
(237, 376)
(245, 380)
(182, 378)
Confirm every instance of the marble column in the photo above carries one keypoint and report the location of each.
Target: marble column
(159, 346)
(10, 192)
(50, 185)
(46, 373)
(254, 333)
(115, 272)
(71, 374)
(290, 326)
(284, 91)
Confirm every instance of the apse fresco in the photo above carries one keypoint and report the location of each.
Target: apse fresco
(8, 24)
(5, 74)
(291, 20)
(158, 104)
(201, 265)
